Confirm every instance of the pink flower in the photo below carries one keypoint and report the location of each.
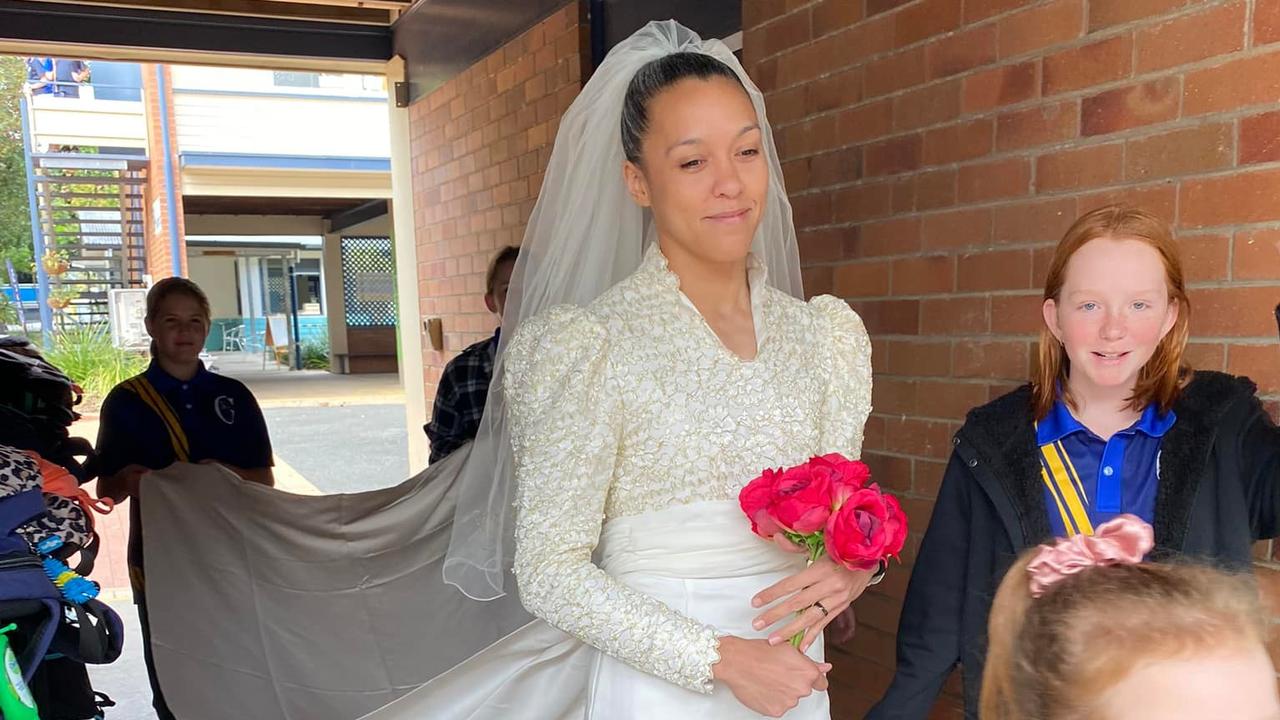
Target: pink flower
(803, 500)
(870, 525)
(846, 475)
(796, 500)
(828, 505)
(756, 500)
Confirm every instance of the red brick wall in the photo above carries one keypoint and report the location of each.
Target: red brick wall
(935, 150)
(158, 243)
(480, 144)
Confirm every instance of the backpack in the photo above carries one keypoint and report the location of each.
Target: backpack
(85, 630)
(55, 637)
(27, 595)
(37, 406)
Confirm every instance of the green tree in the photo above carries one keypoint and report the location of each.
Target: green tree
(15, 219)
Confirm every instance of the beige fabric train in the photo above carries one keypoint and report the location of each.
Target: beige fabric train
(274, 606)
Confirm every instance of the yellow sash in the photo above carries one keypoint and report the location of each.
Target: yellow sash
(144, 389)
(1066, 489)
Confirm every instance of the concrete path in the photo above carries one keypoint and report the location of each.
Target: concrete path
(276, 386)
(344, 449)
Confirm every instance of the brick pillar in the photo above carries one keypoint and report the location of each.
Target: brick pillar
(480, 144)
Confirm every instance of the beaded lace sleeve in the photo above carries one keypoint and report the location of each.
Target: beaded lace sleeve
(565, 417)
(848, 399)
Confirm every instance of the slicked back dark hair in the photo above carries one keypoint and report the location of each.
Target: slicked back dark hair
(652, 79)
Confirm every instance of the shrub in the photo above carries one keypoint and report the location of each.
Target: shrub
(315, 352)
(86, 355)
(8, 311)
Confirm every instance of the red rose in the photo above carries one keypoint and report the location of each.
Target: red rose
(846, 475)
(756, 500)
(869, 526)
(796, 500)
(803, 501)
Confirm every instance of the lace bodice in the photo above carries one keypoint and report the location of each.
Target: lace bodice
(633, 404)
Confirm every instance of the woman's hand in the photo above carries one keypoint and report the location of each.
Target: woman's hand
(825, 582)
(769, 679)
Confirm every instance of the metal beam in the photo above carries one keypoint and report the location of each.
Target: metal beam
(708, 18)
(37, 231)
(356, 215)
(111, 53)
(440, 38)
(327, 10)
(252, 225)
(206, 32)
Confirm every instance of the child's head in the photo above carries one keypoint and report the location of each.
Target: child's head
(498, 279)
(1116, 312)
(178, 318)
(1084, 629)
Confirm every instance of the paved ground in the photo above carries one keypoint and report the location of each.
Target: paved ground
(342, 449)
(330, 433)
(275, 386)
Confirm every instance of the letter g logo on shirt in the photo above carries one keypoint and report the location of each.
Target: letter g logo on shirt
(225, 407)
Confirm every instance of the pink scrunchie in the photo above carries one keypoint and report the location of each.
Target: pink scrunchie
(1124, 540)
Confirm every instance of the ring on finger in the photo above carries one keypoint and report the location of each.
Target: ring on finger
(823, 608)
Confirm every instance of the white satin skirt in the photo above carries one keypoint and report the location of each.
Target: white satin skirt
(699, 559)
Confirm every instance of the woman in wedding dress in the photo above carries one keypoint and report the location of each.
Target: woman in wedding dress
(661, 358)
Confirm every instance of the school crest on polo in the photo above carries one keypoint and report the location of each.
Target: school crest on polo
(225, 407)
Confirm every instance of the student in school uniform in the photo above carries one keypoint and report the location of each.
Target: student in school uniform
(175, 411)
(1113, 423)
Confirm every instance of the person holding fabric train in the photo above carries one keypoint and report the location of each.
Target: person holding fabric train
(176, 411)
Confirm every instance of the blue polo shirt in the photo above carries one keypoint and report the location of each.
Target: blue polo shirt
(1110, 477)
(36, 69)
(218, 414)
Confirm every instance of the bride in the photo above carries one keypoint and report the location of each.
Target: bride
(661, 358)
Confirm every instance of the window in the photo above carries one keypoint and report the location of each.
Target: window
(276, 289)
(369, 281)
(307, 276)
(337, 82)
(289, 78)
(310, 297)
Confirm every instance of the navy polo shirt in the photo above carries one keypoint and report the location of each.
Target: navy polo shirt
(218, 414)
(1116, 476)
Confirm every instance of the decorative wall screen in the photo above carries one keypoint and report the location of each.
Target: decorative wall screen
(369, 281)
(277, 286)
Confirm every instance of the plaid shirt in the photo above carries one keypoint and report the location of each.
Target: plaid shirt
(460, 397)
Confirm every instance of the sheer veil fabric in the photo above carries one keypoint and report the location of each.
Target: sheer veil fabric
(585, 235)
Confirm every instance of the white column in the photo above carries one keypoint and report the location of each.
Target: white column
(403, 234)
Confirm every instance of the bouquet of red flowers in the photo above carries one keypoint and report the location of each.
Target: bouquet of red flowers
(827, 505)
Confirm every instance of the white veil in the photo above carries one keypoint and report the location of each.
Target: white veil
(585, 235)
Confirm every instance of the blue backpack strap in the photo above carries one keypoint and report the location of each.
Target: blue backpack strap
(25, 590)
(100, 637)
(41, 638)
(19, 509)
(21, 572)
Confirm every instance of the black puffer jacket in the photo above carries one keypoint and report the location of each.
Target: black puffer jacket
(1219, 491)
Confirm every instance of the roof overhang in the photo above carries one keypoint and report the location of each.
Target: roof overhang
(334, 36)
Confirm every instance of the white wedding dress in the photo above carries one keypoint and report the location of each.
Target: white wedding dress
(634, 428)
